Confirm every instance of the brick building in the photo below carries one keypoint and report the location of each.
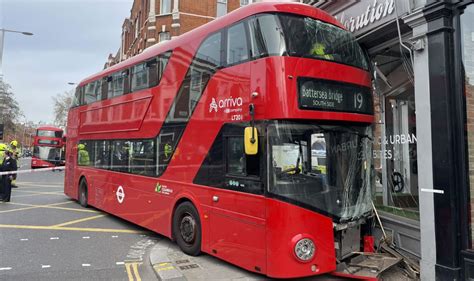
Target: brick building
(154, 21)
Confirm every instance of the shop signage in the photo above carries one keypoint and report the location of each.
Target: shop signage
(366, 15)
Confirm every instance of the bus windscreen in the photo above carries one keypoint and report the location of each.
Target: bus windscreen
(311, 38)
(326, 168)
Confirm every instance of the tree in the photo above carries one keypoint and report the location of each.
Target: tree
(9, 109)
(62, 103)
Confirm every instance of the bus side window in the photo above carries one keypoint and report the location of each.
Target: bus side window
(157, 67)
(77, 97)
(102, 155)
(90, 93)
(266, 36)
(237, 47)
(104, 88)
(139, 76)
(116, 84)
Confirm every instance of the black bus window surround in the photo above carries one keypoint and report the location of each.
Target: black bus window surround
(226, 165)
(207, 60)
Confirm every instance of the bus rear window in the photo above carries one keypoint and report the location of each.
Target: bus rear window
(307, 37)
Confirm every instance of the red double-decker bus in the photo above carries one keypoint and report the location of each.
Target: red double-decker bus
(247, 138)
(48, 148)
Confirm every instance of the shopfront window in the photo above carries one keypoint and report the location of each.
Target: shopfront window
(395, 143)
(467, 38)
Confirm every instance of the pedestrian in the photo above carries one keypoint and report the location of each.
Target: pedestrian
(16, 155)
(8, 165)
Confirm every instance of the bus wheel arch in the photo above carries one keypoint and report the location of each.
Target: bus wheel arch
(186, 227)
(82, 194)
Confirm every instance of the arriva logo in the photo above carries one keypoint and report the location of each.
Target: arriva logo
(225, 103)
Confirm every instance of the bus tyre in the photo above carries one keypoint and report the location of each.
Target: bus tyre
(187, 229)
(83, 193)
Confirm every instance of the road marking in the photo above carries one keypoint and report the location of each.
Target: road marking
(45, 266)
(114, 236)
(24, 239)
(135, 270)
(120, 263)
(85, 237)
(5, 268)
(41, 227)
(31, 206)
(129, 271)
(163, 266)
(132, 271)
(54, 238)
(86, 264)
(79, 220)
(49, 206)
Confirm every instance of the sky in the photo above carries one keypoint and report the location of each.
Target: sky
(72, 40)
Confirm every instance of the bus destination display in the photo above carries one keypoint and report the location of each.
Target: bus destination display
(327, 95)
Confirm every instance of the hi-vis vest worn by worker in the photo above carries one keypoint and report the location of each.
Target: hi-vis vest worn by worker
(3, 147)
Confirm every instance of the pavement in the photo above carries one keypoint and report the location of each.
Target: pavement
(171, 264)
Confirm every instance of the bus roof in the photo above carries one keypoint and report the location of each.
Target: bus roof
(201, 32)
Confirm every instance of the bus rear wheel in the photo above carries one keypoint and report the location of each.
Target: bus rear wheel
(187, 229)
(83, 193)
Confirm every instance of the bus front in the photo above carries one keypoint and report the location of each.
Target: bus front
(47, 148)
(317, 116)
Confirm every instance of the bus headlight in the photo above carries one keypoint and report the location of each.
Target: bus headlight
(305, 249)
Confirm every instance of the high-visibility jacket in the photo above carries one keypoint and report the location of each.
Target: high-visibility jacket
(2, 156)
(83, 158)
(320, 51)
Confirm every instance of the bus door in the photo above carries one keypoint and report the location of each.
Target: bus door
(237, 217)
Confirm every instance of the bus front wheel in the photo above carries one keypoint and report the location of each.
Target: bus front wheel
(83, 193)
(187, 229)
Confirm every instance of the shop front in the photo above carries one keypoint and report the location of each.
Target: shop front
(422, 52)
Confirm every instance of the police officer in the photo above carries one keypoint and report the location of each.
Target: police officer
(15, 155)
(9, 164)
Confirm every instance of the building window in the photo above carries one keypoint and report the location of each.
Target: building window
(244, 2)
(136, 28)
(164, 36)
(221, 7)
(165, 7)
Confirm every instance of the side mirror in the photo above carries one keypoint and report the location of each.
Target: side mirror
(251, 140)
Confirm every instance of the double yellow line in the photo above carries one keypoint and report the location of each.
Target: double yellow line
(132, 271)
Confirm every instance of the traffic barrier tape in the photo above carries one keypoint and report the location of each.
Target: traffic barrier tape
(31, 171)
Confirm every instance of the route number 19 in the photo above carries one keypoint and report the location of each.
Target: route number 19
(358, 101)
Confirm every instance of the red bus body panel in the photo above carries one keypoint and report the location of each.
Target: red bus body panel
(252, 231)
